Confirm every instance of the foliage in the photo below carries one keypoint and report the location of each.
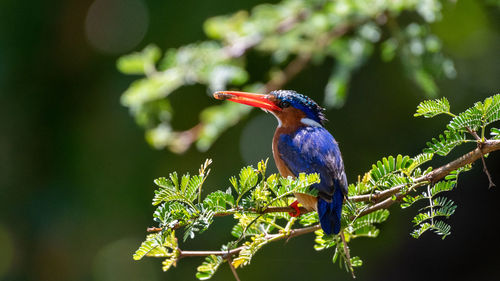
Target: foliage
(289, 34)
(258, 202)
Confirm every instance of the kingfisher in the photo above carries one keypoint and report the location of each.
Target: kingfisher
(301, 144)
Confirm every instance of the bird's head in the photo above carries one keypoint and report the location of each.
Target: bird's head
(289, 107)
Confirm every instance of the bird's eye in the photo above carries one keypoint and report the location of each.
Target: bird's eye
(284, 104)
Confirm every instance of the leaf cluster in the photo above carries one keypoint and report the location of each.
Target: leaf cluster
(468, 126)
(287, 32)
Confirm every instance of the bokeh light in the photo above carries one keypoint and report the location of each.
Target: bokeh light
(116, 26)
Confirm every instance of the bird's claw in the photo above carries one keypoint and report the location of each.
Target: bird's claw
(295, 206)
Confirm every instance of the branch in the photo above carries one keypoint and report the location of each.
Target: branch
(439, 173)
(432, 177)
(226, 254)
(231, 212)
(238, 48)
(230, 262)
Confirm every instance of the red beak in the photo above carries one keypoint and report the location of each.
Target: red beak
(257, 100)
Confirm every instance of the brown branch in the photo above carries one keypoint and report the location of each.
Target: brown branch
(225, 254)
(231, 212)
(437, 174)
(434, 176)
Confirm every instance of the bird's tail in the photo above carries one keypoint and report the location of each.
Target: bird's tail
(329, 212)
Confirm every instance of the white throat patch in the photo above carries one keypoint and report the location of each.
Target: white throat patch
(310, 122)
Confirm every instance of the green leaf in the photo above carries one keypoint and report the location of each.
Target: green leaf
(356, 262)
(384, 171)
(431, 108)
(170, 190)
(471, 118)
(363, 226)
(200, 223)
(325, 241)
(157, 245)
(420, 230)
(419, 160)
(250, 248)
(442, 186)
(492, 109)
(171, 213)
(247, 180)
(152, 246)
(208, 268)
(442, 228)
(309, 219)
(218, 200)
(139, 62)
(445, 143)
(441, 207)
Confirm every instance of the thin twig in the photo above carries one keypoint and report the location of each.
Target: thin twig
(240, 46)
(480, 143)
(280, 236)
(485, 169)
(230, 262)
(347, 253)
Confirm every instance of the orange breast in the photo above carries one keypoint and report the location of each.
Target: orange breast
(289, 119)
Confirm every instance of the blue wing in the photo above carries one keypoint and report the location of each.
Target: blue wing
(314, 150)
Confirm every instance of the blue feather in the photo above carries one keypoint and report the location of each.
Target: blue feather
(314, 150)
(330, 213)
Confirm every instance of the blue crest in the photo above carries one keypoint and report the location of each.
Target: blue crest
(310, 108)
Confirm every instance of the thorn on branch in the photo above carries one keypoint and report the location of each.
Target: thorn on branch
(485, 168)
(480, 145)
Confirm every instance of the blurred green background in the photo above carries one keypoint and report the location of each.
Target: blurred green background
(76, 174)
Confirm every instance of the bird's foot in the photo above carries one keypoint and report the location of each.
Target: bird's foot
(295, 206)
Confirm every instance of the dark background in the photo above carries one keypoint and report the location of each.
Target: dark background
(76, 174)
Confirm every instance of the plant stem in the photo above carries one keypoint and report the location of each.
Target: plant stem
(273, 237)
(230, 262)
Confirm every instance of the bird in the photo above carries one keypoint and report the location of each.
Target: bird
(301, 144)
